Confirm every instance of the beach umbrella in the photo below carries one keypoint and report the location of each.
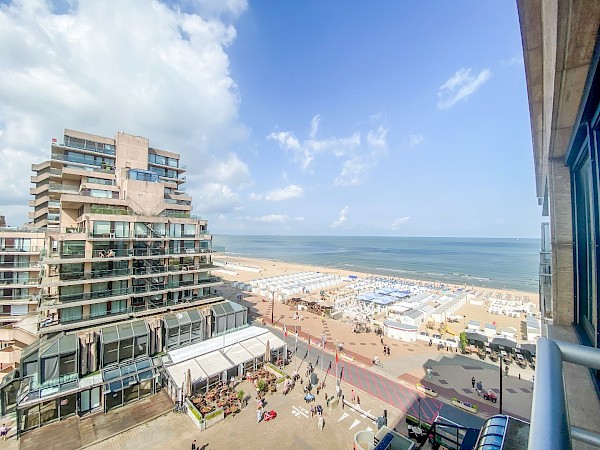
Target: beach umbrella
(528, 350)
(477, 338)
(268, 352)
(189, 383)
(500, 343)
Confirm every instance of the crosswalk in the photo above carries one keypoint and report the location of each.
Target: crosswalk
(355, 419)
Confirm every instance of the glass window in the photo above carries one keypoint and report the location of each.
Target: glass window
(72, 314)
(585, 244)
(48, 412)
(98, 309)
(111, 353)
(121, 229)
(31, 418)
(141, 346)
(125, 349)
(50, 368)
(113, 400)
(68, 405)
(67, 364)
(145, 387)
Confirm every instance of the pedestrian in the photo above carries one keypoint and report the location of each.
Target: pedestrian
(473, 382)
(479, 387)
(318, 390)
(357, 400)
(321, 423)
(342, 401)
(353, 397)
(430, 342)
(3, 431)
(505, 371)
(194, 447)
(429, 373)
(258, 415)
(381, 340)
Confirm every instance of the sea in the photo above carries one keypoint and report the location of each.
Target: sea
(495, 263)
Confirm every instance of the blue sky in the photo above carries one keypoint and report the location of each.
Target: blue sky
(312, 117)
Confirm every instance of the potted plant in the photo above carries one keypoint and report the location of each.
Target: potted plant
(240, 397)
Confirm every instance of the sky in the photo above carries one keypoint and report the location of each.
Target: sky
(305, 118)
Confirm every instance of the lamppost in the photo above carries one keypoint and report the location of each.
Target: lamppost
(500, 399)
(419, 402)
(273, 308)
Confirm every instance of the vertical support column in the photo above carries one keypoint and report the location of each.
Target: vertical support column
(561, 229)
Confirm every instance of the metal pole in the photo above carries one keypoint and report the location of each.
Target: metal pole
(309, 344)
(322, 350)
(549, 428)
(273, 309)
(419, 401)
(500, 400)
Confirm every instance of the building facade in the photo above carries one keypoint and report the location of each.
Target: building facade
(112, 276)
(561, 50)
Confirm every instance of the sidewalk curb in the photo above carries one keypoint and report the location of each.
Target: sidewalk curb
(150, 419)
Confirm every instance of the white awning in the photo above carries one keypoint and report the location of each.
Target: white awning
(214, 363)
(179, 371)
(255, 347)
(238, 354)
(210, 345)
(274, 341)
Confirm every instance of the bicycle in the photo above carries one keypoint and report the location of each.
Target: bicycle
(179, 407)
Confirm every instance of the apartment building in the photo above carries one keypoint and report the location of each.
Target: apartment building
(112, 276)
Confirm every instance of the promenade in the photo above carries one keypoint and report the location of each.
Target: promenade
(151, 424)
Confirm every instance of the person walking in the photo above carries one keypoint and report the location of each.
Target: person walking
(357, 400)
(473, 382)
(194, 446)
(353, 397)
(505, 371)
(479, 387)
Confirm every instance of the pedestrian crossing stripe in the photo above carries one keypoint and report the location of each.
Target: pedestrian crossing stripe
(344, 416)
(356, 422)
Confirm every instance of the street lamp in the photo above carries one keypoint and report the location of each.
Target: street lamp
(419, 402)
(272, 308)
(500, 399)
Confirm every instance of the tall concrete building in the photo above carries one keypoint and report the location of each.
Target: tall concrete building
(112, 276)
(561, 49)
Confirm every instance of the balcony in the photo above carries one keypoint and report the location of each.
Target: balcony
(51, 324)
(20, 249)
(552, 421)
(88, 146)
(69, 300)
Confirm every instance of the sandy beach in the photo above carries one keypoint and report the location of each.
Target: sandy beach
(264, 268)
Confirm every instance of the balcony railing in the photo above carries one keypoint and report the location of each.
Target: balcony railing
(95, 274)
(550, 427)
(19, 248)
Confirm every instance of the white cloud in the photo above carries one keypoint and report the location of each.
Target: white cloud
(358, 158)
(287, 193)
(299, 219)
(270, 218)
(415, 139)
(148, 69)
(398, 223)
(461, 86)
(342, 218)
(216, 198)
(255, 197)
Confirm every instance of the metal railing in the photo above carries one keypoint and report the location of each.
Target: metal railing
(550, 427)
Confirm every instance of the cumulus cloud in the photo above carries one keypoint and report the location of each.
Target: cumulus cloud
(149, 69)
(255, 197)
(461, 86)
(216, 198)
(299, 219)
(415, 139)
(342, 218)
(287, 193)
(358, 156)
(398, 223)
